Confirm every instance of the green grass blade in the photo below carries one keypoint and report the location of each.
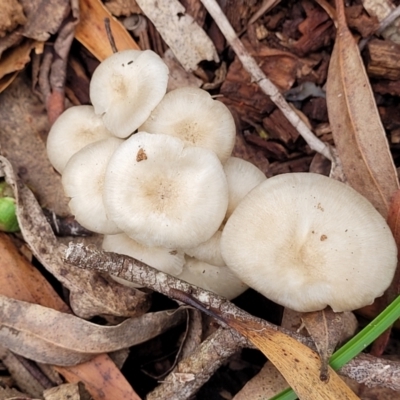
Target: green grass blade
(357, 344)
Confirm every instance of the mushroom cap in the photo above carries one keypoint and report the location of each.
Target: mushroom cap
(83, 180)
(209, 251)
(163, 194)
(165, 260)
(242, 176)
(74, 129)
(192, 115)
(219, 280)
(307, 241)
(126, 87)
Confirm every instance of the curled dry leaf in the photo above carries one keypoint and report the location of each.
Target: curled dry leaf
(187, 40)
(328, 329)
(357, 129)
(52, 337)
(298, 364)
(91, 31)
(91, 293)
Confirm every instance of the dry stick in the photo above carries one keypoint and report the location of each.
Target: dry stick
(110, 35)
(89, 257)
(265, 84)
(364, 368)
(192, 372)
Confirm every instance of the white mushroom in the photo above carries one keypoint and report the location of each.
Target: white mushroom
(209, 251)
(126, 87)
(163, 194)
(165, 260)
(242, 177)
(74, 129)
(192, 115)
(219, 280)
(307, 241)
(83, 180)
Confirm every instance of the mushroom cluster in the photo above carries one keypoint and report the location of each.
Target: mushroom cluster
(153, 171)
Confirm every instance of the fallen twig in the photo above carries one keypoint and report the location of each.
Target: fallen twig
(265, 84)
(364, 368)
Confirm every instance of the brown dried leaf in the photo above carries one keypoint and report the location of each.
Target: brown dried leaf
(24, 124)
(298, 364)
(327, 329)
(184, 36)
(44, 17)
(52, 337)
(16, 58)
(357, 130)
(94, 294)
(266, 384)
(91, 31)
(70, 391)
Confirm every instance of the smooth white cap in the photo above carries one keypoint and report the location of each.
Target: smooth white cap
(74, 129)
(209, 251)
(219, 280)
(126, 87)
(161, 193)
(307, 241)
(242, 177)
(193, 116)
(83, 180)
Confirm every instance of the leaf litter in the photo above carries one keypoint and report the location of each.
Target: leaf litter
(297, 37)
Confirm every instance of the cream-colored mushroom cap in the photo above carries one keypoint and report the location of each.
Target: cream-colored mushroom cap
(209, 251)
(163, 194)
(83, 180)
(165, 260)
(126, 87)
(192, 115)
(74, 129)
(219, 280)
(242, 177)
(307, 241)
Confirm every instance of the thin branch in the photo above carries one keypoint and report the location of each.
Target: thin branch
(259, 77)
(110, 35)
(364, 368)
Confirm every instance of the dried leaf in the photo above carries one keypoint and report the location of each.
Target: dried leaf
(16, 58)
(24, 124)
(328, 329)
(184, 36)
(52, 337)
(357, 130)
(20, 280)
(266, 384)
(93, 293)
(91, 31)
(44, 17)
(393, 218)
(299, 365)
(70, 391)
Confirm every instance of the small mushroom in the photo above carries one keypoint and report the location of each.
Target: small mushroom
(74, 129)
(162, 194)
(307, 241)
(193, 116)
(219, 280)
(83, 180)
(209, 251)
(242, 177)
(126, 87)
